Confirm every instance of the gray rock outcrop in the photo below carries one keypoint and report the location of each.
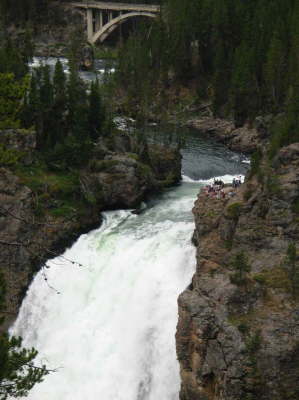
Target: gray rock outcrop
(35, 222)
(243, 139)
(239, 339)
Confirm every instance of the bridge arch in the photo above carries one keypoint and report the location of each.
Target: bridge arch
(105, 31)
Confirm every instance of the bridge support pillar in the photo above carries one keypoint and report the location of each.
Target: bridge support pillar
(98, 20)
(89, 24)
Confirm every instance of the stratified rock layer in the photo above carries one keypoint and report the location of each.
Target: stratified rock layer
(241, 341)
(112, 180)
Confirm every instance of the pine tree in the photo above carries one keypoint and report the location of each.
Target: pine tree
(244, 85)
(11, 60)
(241, 267)
(275, 70)
(293, 267)
(95, 114)
(18, 374)
(77, 104)
(59, 81)
(45, 122)
(28, 45)
(31, 105)
(12, 94)
(77, 144)
(221, 77)
(59, 106)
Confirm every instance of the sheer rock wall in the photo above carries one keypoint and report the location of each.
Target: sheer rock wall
(241, 341)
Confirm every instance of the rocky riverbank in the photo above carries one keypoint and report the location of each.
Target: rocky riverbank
(238, 329)
(243, 139)
(42, 212)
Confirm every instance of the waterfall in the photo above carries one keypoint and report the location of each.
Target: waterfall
(110, 333)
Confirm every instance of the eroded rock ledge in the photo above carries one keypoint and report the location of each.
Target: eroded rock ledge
(241, 341)
(242, 139)
(33, 224)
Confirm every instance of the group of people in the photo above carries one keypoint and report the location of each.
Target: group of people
(237, 182)
(218, 191)
(218, 182)
(215, 190)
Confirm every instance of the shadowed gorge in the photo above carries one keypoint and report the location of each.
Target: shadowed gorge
(149, 200)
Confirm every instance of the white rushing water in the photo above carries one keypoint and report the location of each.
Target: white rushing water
(111, 331)
(102, 68)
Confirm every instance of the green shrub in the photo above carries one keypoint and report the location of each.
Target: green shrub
(275, 278)
(211, 214)
(240, 264)
(295, 206)
(255, 162)
(63, 211)
(228, 244)
(233, 210)
(103, 165)
(144, 170)
(243, 327)
(9, 157)
(254, 342)
(247, 194)
(134, 156)
(260, 278)
(293, 267)
(273, 184)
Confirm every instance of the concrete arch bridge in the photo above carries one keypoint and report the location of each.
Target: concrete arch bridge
(103, 18)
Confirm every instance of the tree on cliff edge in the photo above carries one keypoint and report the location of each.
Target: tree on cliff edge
(18, 374)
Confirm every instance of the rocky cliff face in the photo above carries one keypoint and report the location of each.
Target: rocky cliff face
(243, 139)
(238, 332)
(33, 224)
(52, 34)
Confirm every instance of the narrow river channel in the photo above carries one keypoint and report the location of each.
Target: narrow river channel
(110, 333)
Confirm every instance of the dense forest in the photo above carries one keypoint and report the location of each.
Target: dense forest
(67, 116)
(243, 56)
(34, 11)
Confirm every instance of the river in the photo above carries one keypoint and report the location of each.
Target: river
(110, 331)
(102, 67)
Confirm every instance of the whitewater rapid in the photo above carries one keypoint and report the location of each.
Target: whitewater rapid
(111, 331)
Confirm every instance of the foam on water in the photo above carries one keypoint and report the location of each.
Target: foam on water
(112, 328)
(225, 178)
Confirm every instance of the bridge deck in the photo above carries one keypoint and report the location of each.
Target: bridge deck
(116, 6)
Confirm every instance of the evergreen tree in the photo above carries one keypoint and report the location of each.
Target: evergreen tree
(21, 11)
(31, 105)
(28, 45)
(11, 60)
(59, 106)
(77, 144)
(275, 70)
(95, 114)
(77, 104)
(244, 85)
(12, 94)
(292, 264)
(44, 121)
(241, 267)
(18, 374)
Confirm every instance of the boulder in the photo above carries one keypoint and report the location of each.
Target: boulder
(118, 181)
